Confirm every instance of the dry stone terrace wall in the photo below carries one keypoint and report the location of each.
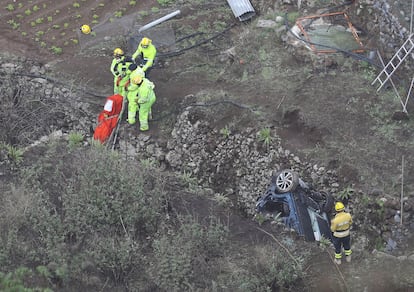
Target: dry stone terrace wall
(38, 105)
(237, 165)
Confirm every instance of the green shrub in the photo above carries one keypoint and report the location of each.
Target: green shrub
(265, 136)
(180, 254)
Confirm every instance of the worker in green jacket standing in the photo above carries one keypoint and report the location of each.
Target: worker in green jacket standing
(141, 97)
(145, 54)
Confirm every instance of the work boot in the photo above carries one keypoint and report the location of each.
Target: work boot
(338, 261)
(348, 259)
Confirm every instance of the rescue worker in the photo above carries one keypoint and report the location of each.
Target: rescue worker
(141, 97)
(145, 54)
(340, 226)
(119, 67)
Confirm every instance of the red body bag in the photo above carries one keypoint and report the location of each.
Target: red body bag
(108, 118)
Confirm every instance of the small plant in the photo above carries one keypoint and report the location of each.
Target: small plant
(76, 5)
(265, 136)
(24, 33)
(75, 139)
(155, 9)
(324, 242)
(132, 3)
(10, 7)
(148, 163)
(43, 44)
(32, 23)
(20, 5)
(49, 18)
(188, 179)
(19, 16)
(39, 20)
(78, 16)
(225, 132)
(101, 5)
(365, 200)
(39, 33)
(95, 16)
(165, 2)
(118, 14)
(56, 26)
(28, 12)
(221, 199)
(346, 194)
(66, 25)
(36, 8)
(260, 218)
(94, 21)
(14, 24)
(56, 50)
(15, 154)
(75, 41)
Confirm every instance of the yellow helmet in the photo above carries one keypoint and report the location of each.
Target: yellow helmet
(339, 206)
(136, 79)
(85, 29)
(118, 52)
(145, 42)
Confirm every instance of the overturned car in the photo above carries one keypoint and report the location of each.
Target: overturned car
(301, 208)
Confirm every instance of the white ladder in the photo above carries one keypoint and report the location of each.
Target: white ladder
(395, 62)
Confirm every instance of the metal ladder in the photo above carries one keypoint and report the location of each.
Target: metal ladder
(395, 62)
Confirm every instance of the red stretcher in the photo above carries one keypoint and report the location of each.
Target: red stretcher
(108, 118)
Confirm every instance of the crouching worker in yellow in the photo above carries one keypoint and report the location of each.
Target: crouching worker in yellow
(141, 97)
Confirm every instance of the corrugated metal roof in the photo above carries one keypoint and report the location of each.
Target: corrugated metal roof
(242, 9)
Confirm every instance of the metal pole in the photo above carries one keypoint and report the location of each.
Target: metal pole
(412, 12)
(402, 189)
(158, 21)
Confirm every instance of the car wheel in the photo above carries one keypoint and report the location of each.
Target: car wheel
(328, 203)
(286, 181)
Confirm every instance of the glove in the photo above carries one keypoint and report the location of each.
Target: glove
(127, 84)
(118, 81)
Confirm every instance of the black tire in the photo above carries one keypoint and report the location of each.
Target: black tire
(328, 203)
(286, 181)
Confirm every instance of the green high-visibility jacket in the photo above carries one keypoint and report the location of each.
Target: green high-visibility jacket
(120, 66)
(147, 54)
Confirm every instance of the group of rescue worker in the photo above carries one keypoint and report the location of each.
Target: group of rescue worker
(131, 80)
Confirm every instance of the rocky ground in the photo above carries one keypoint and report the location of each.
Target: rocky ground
(326, 121)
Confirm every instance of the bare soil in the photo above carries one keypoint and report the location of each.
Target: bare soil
(323, 107)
